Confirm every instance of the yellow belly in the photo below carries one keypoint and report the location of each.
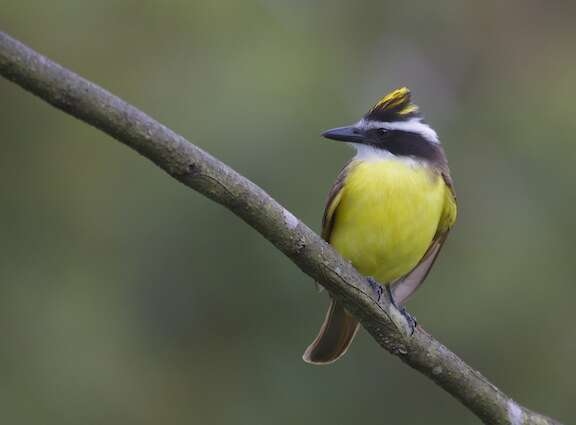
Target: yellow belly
(387, 216)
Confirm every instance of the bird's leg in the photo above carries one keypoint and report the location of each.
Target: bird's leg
(409, 318)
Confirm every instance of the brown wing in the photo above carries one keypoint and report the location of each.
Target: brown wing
(403, 288)
(331, 206)
(449, 182)
(339, 327)
(334, 197)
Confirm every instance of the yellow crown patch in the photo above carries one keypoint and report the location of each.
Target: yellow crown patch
(396, 105)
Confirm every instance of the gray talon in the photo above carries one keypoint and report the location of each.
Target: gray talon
(376, 287)
(412, 323)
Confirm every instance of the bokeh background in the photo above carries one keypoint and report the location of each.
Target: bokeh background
(126, 298)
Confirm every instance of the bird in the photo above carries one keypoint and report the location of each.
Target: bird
(389, 211)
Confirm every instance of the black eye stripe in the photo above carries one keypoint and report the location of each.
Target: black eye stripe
(405, 143)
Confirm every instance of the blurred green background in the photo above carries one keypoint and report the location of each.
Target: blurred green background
(126, 298)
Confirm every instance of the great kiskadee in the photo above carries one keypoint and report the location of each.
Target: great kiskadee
(389, 211)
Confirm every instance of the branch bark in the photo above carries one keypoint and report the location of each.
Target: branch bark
(202, 172)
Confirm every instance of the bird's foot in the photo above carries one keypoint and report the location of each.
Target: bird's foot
(380, 290)
(376, 288)
(411, 320)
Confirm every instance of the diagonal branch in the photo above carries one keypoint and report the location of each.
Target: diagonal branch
(202, 172)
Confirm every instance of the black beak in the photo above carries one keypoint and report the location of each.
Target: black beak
(345, 134)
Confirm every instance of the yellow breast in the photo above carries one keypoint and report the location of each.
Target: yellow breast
(388, 214)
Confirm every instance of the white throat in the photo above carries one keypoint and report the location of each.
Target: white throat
(370, 153)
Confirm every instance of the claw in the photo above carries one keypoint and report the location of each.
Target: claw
(412, 323)
(379, 291)
(376, 287)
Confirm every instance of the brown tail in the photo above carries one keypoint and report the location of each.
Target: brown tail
(334, 338)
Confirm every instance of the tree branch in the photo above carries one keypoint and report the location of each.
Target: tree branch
(207, 175)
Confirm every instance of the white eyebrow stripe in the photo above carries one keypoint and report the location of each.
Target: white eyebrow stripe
(413, 125)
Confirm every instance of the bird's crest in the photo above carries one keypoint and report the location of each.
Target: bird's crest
(395, 106)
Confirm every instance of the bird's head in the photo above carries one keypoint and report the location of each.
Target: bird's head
(391, 127)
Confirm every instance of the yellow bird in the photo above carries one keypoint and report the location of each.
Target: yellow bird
(389, 211)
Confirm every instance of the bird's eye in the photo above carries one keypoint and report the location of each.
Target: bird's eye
(381, 131)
